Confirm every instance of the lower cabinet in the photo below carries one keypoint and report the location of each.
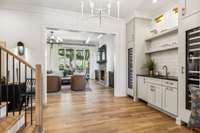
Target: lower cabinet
(170, 100)
(141, 88)
(159, 93)
(155, 94)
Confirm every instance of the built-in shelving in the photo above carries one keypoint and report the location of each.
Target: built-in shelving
(161, 49)
(173, 30)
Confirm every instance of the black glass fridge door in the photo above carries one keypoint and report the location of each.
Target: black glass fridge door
(192, 62)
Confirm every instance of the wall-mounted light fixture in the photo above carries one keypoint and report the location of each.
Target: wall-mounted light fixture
(21, 49)
(175, 10)
(159, 18)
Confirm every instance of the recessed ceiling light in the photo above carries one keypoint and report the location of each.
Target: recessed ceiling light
(88, 40)
(155, 1)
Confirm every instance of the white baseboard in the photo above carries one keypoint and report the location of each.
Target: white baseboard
(178, 121)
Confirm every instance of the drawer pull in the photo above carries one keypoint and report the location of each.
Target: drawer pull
(152, 90)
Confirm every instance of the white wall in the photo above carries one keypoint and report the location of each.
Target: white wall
(28, 24)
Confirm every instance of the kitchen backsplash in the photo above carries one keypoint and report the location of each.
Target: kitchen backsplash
(168, 58)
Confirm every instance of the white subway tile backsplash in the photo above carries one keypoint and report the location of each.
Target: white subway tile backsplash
(168, 58)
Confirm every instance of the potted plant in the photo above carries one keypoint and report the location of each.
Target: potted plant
(150, 65)
(65, 72)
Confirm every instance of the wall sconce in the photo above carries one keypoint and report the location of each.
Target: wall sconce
(159, 18)
(21, 49)
(175, 10)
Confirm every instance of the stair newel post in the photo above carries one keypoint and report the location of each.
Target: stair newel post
(31, 96)
(13, 105)
(7, 83)
(0, 78)
(38, 100)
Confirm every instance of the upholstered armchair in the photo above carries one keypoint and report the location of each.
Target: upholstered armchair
(78, 82)
(53, 83)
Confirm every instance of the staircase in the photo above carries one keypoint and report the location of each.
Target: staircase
(20, 90)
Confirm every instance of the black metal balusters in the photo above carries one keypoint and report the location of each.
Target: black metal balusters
(0, 79)
(26, 104)
(13, 91)
(31, 96)
(19, 85)
(14, 104)
(7, 83)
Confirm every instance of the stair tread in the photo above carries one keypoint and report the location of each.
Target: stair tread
(9, 121)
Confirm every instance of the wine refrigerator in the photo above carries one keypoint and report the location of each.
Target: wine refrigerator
(192, 63)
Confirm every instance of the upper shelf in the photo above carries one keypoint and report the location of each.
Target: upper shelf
(173, 30)
(161, 49)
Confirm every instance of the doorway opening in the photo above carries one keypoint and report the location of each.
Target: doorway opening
(76, 58)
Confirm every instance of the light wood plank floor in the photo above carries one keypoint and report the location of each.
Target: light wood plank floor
(97, 111)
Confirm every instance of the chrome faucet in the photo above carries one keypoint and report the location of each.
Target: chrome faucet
(166, 70)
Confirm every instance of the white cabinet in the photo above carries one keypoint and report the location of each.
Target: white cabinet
(159, 96)
(130, 31)
(135, 39)
(185, 24)
(160, 93)
(141, 88)
(192, 6)
(151, 94)
(155, 95)
(170, 100)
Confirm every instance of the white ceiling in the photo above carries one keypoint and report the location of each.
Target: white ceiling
(127, 7)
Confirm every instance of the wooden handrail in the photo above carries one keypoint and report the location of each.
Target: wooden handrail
(16, 57)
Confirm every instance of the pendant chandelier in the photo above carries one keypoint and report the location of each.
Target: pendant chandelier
(100, 12)
(52, 39)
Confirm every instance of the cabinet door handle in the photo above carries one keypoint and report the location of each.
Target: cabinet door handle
(152, 86)
(182, 69)
(183, 11)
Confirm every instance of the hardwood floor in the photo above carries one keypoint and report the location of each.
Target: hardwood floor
(97, 111)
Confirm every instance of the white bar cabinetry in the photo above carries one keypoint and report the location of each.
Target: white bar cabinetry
(159, 93)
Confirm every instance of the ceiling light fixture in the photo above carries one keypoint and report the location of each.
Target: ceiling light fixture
(52, 39)
(155, 1)
(101, 12)
(100, 36)
(88, 40)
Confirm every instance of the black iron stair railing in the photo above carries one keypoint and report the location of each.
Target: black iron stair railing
(13, 92)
